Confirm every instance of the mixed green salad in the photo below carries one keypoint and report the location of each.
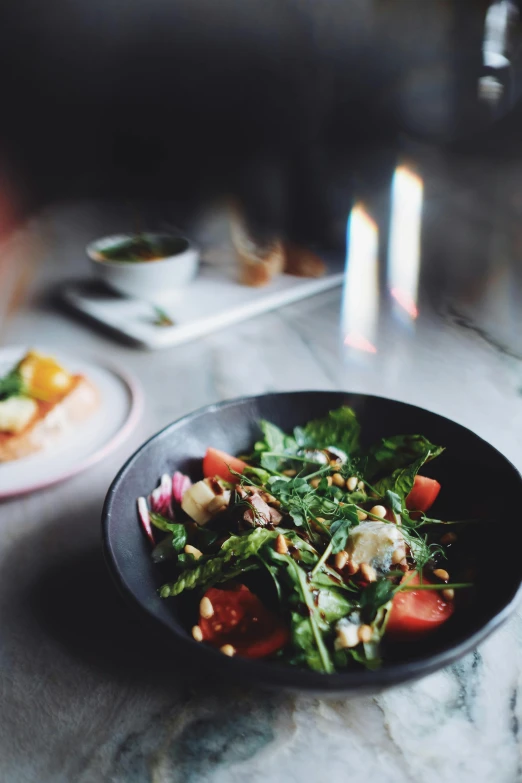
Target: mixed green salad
(310, 550)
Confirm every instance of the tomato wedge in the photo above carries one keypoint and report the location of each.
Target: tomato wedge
(240, 619)
(217, 463)
(423, 494)
(417, 612)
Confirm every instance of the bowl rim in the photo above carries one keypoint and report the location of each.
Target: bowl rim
(190, 252)
(289, 677)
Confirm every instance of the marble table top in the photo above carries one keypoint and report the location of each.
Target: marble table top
(90, 695)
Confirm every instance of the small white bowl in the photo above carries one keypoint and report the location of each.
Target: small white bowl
(155, 280)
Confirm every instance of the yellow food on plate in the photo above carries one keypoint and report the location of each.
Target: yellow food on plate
(41, 403)
(43, 378)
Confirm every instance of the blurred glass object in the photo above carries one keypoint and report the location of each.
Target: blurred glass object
(360, 303)
(404, 249)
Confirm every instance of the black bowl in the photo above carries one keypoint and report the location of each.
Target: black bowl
(475, 479)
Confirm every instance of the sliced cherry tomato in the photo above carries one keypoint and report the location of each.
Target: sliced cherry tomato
(217, 463)
(240, 619)
(423, 494)
(417, 612)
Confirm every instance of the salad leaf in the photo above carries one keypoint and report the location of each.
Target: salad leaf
(271, 452)
(257, 475)
(179, 532)
(401, 480)
(11, 385)
(219, 567)
(367, 653)
(396, 452)
(307, 633)
(375, 595)
(339, 428)
(333, 603)
(340, 529)
(275, 439)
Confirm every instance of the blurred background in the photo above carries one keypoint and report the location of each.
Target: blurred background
(294, 111)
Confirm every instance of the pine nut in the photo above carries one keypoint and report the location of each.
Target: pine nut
(192, 550)
(281, 545)
(206, 609)
(329, 481)
(448, 594)
(197, 633)
(290, 473)
(368, 573)
(338, 480)
(360, 486)
(378, 511)
(441, 574)
(227, 649)
(351, 568)
(351, 483)
(315, 482)
(341, 559)
(448, 538)
(361, 516)
(398, 556)
(321, 519)
(365, 633)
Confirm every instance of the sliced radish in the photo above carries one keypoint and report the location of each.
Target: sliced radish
(161, 497)
(180, 484)
(143, 513)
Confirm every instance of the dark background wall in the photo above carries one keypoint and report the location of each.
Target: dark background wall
(284, 104)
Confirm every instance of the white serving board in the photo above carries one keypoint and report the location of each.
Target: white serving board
(214, 300)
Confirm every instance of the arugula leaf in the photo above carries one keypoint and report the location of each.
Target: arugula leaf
(306, 632)
(401, 480)
(220, 566)
(332, 603)
(339, 428)
(375, 595)
(11, 385)
(274, 444)
(179, 532)
(396, 452)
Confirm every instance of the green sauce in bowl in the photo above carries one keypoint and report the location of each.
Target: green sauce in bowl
(144, 247)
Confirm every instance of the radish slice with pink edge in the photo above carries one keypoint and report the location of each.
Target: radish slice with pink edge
(161, 498)
(180, 484)
(143, 513)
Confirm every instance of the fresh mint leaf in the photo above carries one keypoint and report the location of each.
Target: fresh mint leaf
(396, 452)
(339, 428)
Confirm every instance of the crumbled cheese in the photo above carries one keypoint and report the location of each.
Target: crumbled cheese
(374, 543)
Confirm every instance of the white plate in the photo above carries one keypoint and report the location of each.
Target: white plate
(105, 430)
(212, 301)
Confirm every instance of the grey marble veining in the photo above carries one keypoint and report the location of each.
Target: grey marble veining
(88, 694)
